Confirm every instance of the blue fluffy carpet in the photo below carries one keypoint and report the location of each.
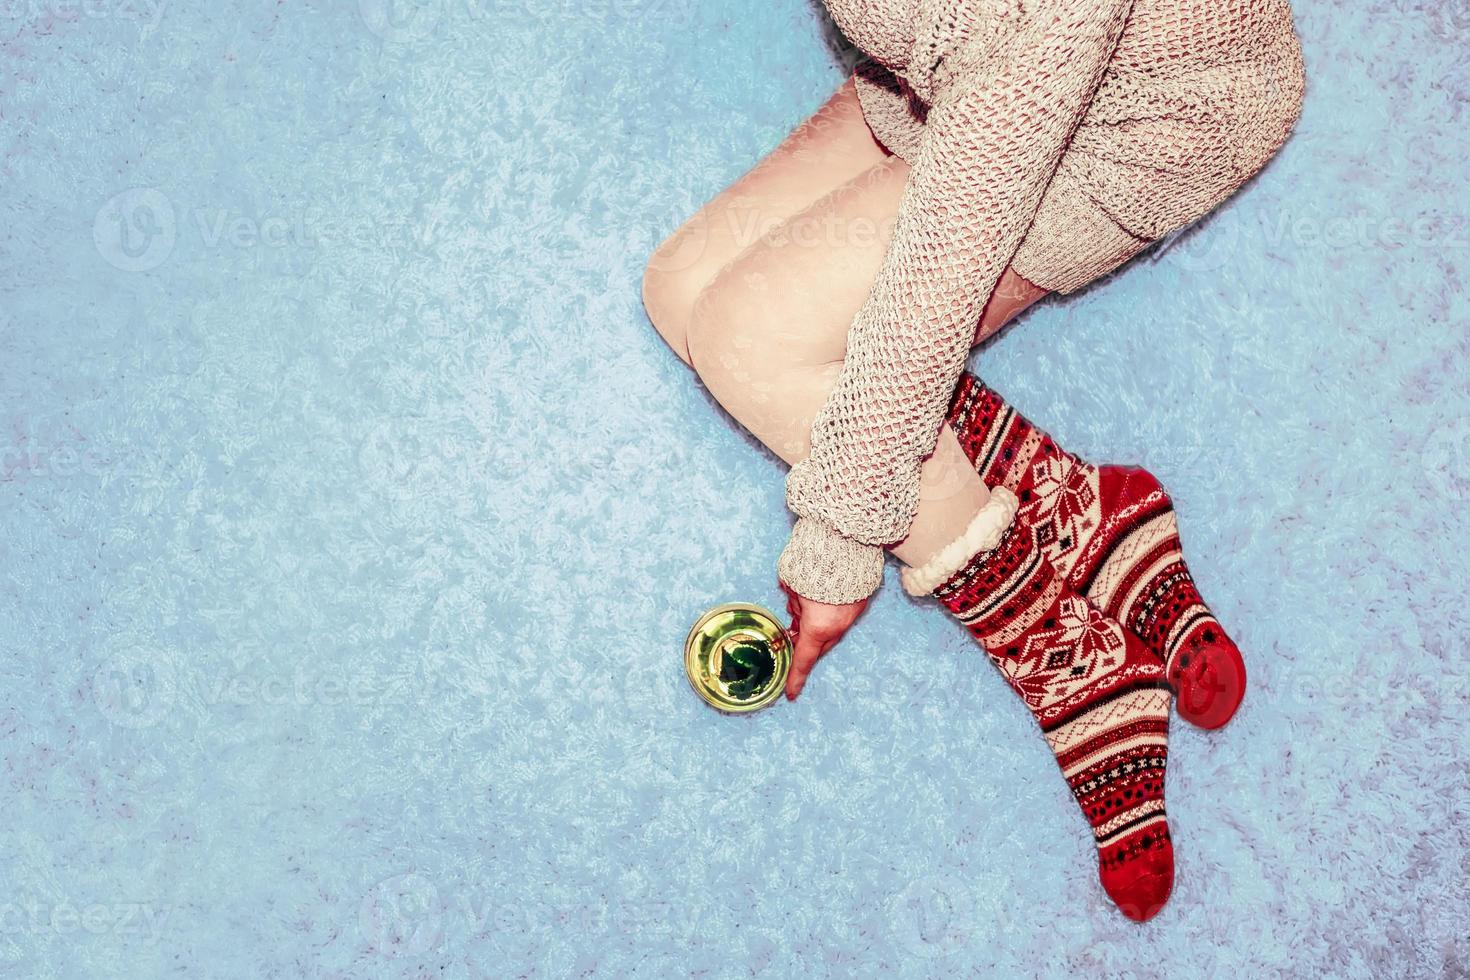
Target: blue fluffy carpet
(352, 516)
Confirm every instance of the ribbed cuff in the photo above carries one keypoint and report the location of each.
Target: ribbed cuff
(821, 563)
(983, 533)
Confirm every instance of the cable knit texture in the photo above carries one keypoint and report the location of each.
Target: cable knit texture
(1060, 136)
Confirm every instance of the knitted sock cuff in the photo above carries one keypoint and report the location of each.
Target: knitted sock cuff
(983, 533)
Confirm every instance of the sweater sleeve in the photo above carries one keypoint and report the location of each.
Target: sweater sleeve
(1001, 112)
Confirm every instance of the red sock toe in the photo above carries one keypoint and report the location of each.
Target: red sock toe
(1208, 675)
(1138, 874)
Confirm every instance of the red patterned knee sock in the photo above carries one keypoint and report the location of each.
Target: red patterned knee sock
(1099, 694)
(1111, 531)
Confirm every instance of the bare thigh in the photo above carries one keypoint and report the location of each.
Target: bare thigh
(831, 147)
(768, 337)
(759, 292)
(769, 334)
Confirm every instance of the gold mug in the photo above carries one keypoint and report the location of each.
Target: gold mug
(737, 656)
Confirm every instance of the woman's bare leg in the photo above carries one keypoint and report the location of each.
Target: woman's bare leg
(768, 336)
(829, 193)
(828, 149)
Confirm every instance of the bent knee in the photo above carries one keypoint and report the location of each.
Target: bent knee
(718, 335)
(766, 313)
(673, 279)
(739, 330)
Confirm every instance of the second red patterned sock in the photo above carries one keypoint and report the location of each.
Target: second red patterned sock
(1098, 693)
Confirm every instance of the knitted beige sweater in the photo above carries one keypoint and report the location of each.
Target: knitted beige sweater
(982, 98)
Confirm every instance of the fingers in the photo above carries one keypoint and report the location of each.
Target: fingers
(790, 593)
(827, 626)
(805, 653)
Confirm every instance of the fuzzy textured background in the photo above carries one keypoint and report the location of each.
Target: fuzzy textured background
(352, 516)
